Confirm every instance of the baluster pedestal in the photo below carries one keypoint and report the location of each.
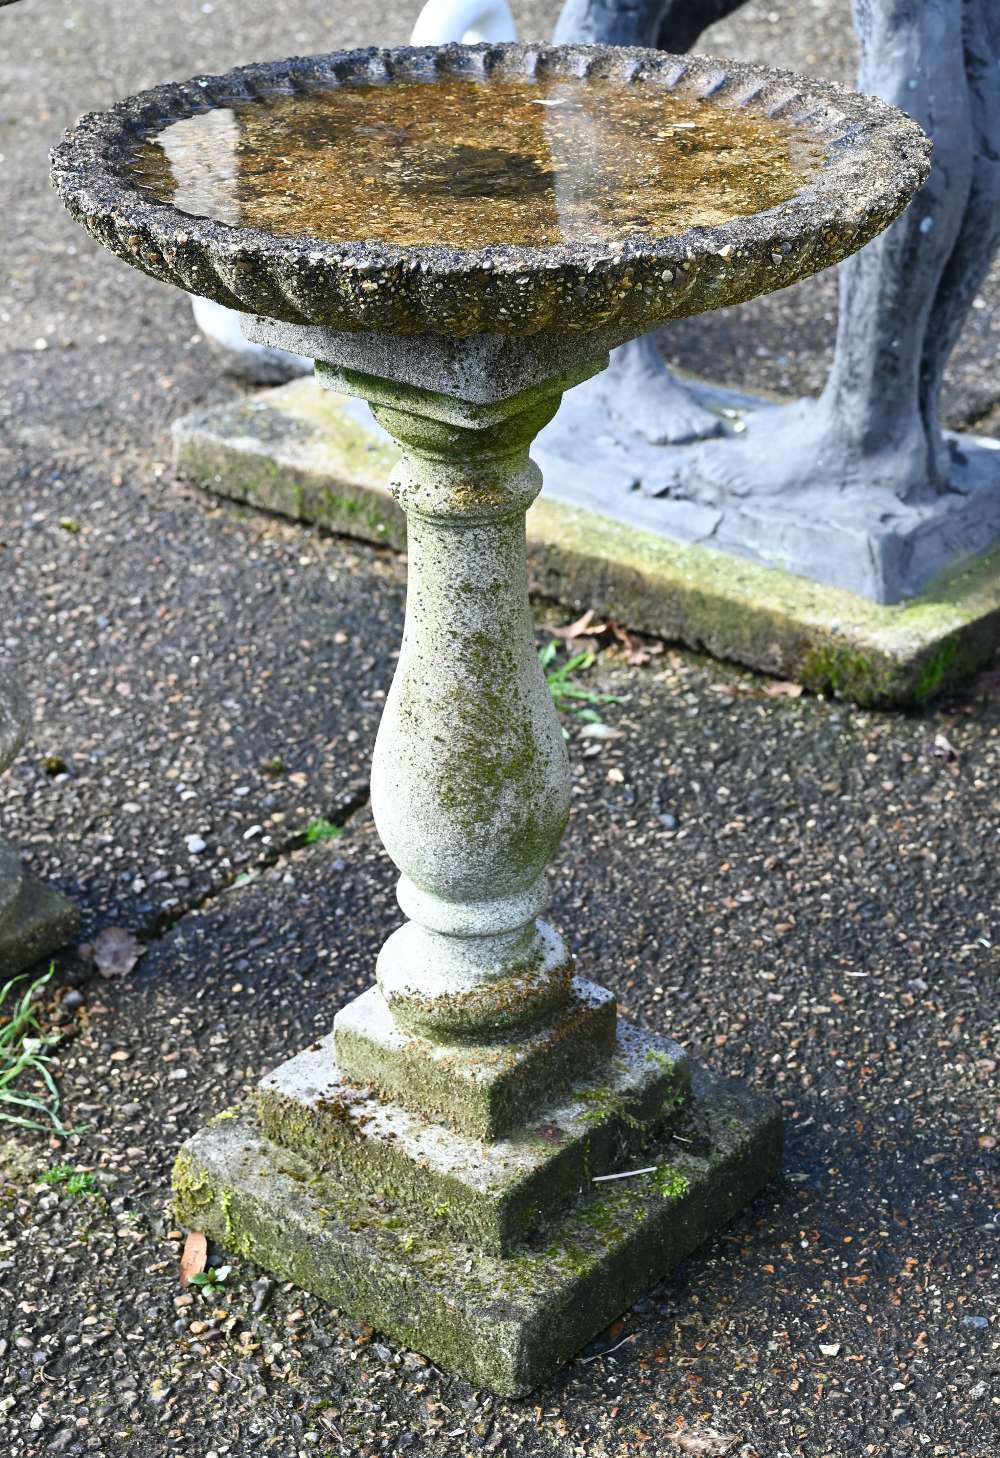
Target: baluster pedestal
(481, 1159)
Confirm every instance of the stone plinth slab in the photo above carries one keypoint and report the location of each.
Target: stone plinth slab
(492, 1194)
(39, 921)
(481, 1089)
(319, 457)
(503, 1323)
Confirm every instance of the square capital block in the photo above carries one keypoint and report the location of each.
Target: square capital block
(484, 1090)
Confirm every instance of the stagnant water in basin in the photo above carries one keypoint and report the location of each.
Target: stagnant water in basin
(473, 163)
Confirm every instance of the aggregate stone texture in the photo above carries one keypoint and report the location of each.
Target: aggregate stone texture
(191, 691)
(802, 893)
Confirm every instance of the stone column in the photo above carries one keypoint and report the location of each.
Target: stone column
(470, 776)
(34, 919)
(480, 1159)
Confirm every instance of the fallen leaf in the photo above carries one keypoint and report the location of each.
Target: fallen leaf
(552, 1133)
(637, 654)
(194, 1257)
(114, 951)
(705, 1442)
(783, 690)
(943, 748)
(579, 629)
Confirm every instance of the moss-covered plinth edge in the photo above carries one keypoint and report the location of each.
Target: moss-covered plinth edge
(490, 1194)
(502, 1323)
(485, 1090)
(303, 452)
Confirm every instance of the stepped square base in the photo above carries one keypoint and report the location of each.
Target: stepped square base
(491, 1194)
(38, 923)
(483, 1090)
(649, 561)
(502, 1322)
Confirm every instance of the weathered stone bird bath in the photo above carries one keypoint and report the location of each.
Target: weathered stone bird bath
(481, 1159)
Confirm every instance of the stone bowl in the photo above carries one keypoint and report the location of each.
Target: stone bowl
(876, 158)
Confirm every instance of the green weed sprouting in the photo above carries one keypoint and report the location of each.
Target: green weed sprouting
(573, 698)
(319, 830)
(24, 1060)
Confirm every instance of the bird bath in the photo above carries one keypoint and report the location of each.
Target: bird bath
(481, 1159)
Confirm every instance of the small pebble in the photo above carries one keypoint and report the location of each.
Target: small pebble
(261, 1293)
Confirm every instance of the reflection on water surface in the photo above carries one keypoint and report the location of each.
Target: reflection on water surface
(474, 163)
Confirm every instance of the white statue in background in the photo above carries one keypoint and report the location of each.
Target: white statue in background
(440, 22)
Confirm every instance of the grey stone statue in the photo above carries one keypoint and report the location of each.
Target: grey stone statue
(903, 301)
(638, 388)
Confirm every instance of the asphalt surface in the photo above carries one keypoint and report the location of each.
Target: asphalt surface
(801, 892)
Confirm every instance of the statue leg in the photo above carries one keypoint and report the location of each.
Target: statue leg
(637, 390)
(644, 396)
(979, 237)
(684, 20)
(912, 56)
(609, 23)
(867, 430)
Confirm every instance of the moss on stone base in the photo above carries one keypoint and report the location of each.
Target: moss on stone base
(299, 450)
(482, 1089)
(491, 1195)
(503, 1323)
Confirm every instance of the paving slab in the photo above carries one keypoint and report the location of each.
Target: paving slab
(317, 456)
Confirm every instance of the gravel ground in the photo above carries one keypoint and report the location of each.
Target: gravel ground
(799, 891)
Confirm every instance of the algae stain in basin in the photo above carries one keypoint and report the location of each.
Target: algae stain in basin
(470, 164)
